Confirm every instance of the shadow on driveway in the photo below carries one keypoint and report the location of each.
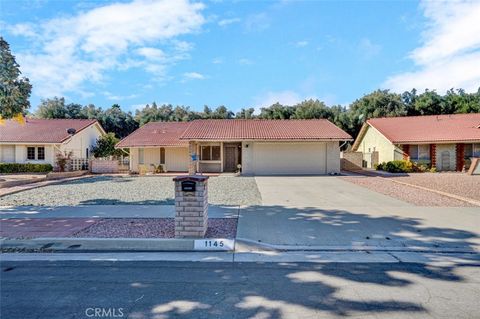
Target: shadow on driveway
(428, 228)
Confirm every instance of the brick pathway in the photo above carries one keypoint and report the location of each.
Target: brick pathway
(43, 227)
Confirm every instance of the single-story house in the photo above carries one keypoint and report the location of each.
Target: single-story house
(39, 140)
(254, 147)
(441, 141)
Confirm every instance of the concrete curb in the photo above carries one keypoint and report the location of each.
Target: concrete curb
(103, 244)
(351, 248)
(242, 245)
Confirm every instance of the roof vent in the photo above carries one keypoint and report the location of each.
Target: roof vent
(71, 131)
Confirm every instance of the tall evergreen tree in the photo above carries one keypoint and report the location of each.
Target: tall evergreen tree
(14, 90)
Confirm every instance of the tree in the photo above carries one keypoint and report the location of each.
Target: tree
(117, 121)
(312, 109)
(430, 103)
(222, 112)
(14, 90)
(380, 103)
(245, 113)
(105, 146)
(277, 111)
(52, 108)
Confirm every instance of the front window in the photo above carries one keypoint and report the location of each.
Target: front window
(468, 150)
(420, 152)
(476, 150)
(41, 153)
(210, 153)
(31, 153)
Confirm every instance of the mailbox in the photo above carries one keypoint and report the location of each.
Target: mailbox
(188, 186)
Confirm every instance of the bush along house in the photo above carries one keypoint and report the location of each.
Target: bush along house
(38, 141)
(444, 142)
(252, 147)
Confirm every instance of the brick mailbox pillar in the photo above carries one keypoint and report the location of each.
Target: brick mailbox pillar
(191, 206)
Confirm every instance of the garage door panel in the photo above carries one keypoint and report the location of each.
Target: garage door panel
(289, 159)
(8, 154)
(177, 159)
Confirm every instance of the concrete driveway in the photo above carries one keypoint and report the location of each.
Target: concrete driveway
(320, 192)
(323, 212)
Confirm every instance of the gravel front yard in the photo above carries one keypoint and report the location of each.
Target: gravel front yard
(153, 228)
(459, 184)
(406, 193)
(145, 190)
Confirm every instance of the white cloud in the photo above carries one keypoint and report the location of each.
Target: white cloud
(301, 44)
(450, 52)
(23, 29)
(152, 53)
(79, 49)
(225, 22)
(113, 97)
(193, 76)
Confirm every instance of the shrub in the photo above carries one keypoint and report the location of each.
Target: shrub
(380, 166)
(24, 168)
(105, 146)
(396, 166)
(62, 160)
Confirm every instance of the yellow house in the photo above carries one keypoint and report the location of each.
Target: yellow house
(445, 142)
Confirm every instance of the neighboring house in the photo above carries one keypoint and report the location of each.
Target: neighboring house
(258, 147)
(39, 140)
(445, 142)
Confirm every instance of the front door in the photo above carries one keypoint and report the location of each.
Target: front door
(231, 158)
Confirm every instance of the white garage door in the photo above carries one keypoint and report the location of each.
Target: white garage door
(8, 154)
(289, 159)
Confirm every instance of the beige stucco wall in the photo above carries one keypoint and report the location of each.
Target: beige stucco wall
(84, 139)
(176, 158)
(20, 153)
(373, 140)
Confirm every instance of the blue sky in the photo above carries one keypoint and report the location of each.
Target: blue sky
(240, 53)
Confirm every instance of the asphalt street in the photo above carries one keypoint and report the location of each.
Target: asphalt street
(103, 289)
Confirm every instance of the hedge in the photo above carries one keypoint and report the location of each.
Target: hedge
(24, 168)
(396, 166)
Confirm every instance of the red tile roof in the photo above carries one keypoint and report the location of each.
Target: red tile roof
(432, 128)
(156, 134)
(41, 130)
(235, 130)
